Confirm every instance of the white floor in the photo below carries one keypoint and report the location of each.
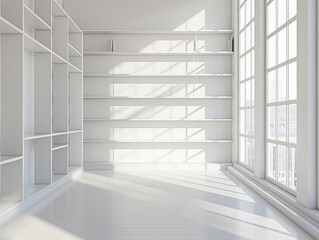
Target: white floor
(152, 205)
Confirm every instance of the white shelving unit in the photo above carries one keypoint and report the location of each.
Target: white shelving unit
(158, 95)
(41, 99)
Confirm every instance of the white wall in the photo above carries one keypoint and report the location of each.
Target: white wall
(150, 14)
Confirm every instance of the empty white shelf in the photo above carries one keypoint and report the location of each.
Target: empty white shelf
(7, 27)
(59, 133)
(9, 159)
(145, 32)
(158, 98)
(159, 75)
(75, 131)
(158, 53)
(34, 21)
(37, 136)
(154, 142)
(59, 146)
(157, 120)
(33, 45)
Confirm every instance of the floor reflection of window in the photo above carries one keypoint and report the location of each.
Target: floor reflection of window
(281, 102)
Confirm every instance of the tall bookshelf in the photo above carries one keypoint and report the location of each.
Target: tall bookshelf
(157, 97)
(41, 99)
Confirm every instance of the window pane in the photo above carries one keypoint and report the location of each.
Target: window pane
(252, 122)
(248, 11)
(293, 123)
(282, 12)
(253, 62)
(248, 93)
(271, 17)
(248, 151)
(242, 147)
(271, 126)
(292, 8)
(293, 81)
(282, 84)
(246, 74)
(248, 65)
(242, 17)
(242, 94)
(242, 43)
(282, 164)
(292, 39)
(271, 53)
(242, 121)
(248, 122)
(292, 172)
(282, 123)
(252, 154)
(253, 92)
(281, 91)
(271, 87)
(248, 38)
(242, 68)
(271, 161)
(282, 46)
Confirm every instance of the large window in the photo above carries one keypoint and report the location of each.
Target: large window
(281, 102)
(246, 82)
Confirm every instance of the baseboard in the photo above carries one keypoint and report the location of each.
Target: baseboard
(300, 218)
(23, 206)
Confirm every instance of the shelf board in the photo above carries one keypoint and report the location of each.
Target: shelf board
(73, 52)
(9, 159)
(57, 10)
(159, 98)
(146, 32)
(37, 136)
(34, 189)
(57, 177)
(59, 146)
(154, 142)
(159, 75)
(34, 21)
(74, 69)
(75, 131)
(8, 28)
(33, 45)
(156, 120)
(59, 133)
(56, 58)
(158, 54)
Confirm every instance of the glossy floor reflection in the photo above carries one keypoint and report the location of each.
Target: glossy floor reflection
(153, 205)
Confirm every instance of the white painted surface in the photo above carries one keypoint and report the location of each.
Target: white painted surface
(153, 204)
(150, 15)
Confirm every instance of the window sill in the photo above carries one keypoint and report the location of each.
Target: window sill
(308, 219)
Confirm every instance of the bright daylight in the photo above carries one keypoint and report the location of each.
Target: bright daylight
(159, 120)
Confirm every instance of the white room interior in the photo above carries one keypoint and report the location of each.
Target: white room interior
(154, 119)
